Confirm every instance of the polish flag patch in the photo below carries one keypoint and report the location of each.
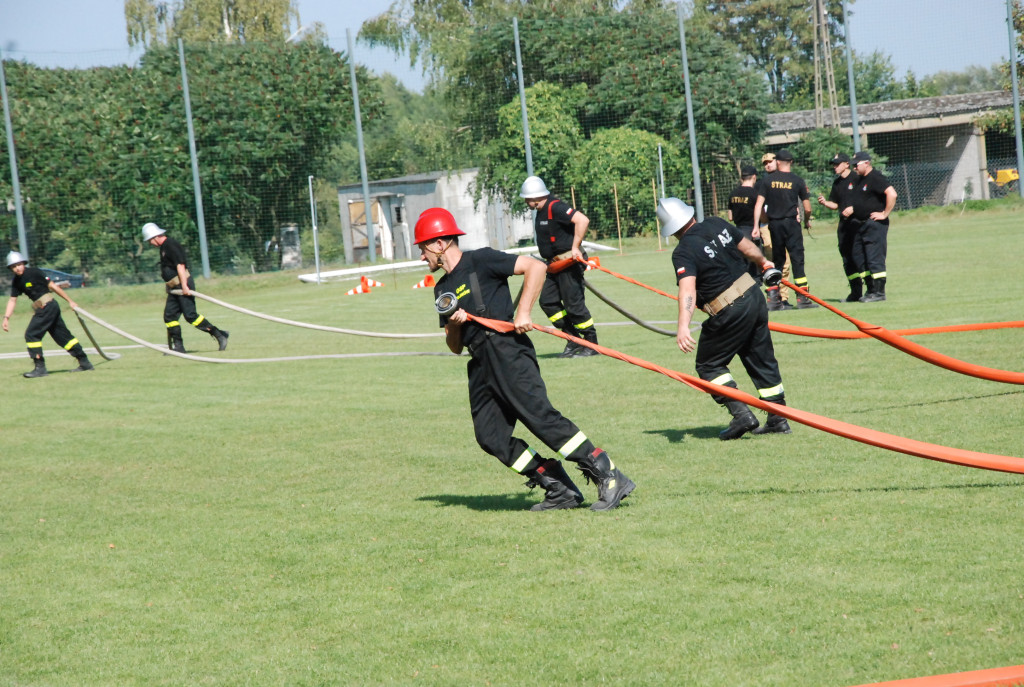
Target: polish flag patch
(681, 270)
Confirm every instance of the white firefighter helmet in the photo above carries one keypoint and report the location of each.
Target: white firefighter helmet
(150, 231)
(673, 214)
(534, 187)
(14, 257)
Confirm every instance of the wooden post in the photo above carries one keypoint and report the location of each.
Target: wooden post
(572, 194)
(618, 223)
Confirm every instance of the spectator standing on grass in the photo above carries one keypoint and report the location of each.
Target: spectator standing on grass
(46, 319)
(710, 264)
(505, 385)
(872, 202)
(176, 275)
(770, 165)
(839, 198)
(780, 195)
(559, 230)
(741, 211)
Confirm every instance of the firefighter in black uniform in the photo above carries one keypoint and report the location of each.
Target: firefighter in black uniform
(873, 201)
(783, 192)
(560, 229)
(710, 264)
(505, 385)
(175, 273)
(839, 198)
(741, 211)
(46, 319)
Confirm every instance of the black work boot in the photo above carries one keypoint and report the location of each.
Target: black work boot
(83, 365)
(177, 345)
(612, 485)
(222, 338)
(803, 301)
(774, 301)
(743, 421)
(38, 371)
(877, 293)
(559, 490)
(856, 290)
(869, 287)
(590, 335)
(775, 424)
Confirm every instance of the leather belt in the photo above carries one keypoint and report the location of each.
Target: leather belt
(42, 301)
(727, 297)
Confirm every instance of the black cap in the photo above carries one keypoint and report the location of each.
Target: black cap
(784, 155)
(840, 157)
(747, 171)
(861, 156)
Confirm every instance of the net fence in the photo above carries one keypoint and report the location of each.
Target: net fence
(100, 151)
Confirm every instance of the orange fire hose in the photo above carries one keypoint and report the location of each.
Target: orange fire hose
(810, 331)
(917, 350)
(993, 677)
(921, 449)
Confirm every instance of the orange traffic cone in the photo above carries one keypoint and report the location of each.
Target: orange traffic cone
(425, 282)
(369, 282)
(593, 263)
(362, 288)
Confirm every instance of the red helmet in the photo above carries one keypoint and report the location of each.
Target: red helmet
(435, 223)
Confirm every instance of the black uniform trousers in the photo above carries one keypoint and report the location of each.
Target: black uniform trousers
(562, 297)
(505, 386)
(853, 261)
(176, 306)
(872, 242)
(48, 320)
(788, 238)
(740, 329)
(752, 269)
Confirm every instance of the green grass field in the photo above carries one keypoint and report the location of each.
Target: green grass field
(332, 522)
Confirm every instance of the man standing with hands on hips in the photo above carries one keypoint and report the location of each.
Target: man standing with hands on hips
(783, 193)
(873, 201)
(559, 230)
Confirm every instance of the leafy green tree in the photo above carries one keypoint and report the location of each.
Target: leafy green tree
(156, 22)
(612, 176)
(778, 36)
(102, 151)
(554, 124)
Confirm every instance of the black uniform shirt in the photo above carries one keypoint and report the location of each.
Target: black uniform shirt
(782, 193)
(492, 268)
(172, 254)
(842, 191)
(869, 195)
(741, 204)
(33, 282)
(709, 252)
(554, 228)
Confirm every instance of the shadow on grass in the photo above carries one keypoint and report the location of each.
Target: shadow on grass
(867, 490)
(488, 502)
(677, 436)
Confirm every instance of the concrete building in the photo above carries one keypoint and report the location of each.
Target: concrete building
(935, 154)
(396, 203)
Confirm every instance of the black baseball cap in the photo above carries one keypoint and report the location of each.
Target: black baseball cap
(784, 155)
(747, 171)
(840, 157)
(861, 156)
